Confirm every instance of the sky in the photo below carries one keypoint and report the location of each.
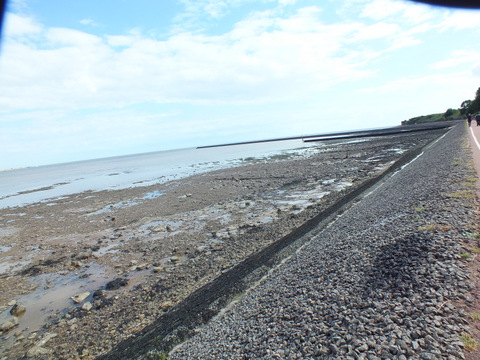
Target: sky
(91, 79)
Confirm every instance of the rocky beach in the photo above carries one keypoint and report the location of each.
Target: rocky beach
(392, 278)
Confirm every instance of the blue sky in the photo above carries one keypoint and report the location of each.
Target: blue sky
(89, 79)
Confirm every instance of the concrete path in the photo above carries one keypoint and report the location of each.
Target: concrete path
(474, 136)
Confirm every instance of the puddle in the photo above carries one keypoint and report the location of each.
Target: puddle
(4, 248)
(342, 185)
(266, 220)
(109, 249)
(111, 207)
(52, 297)
(11, 267)
(153, 195)
(126, 203)
(161, 225)
(224, 219)
(397, 151)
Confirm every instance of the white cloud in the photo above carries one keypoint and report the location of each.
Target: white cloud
(216, 9)
(461, 19)
(17, 25)
(63, 36)
(380, 10)
(377, 31)
(458, 57)
(89, 22)
(265, 57)
(120, 40)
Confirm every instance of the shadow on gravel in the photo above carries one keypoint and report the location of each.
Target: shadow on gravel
(403, 267)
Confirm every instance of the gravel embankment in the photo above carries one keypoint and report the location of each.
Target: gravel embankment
(386, 280)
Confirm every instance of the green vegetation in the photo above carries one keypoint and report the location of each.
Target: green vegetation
(471, 235)
(469, 342)
(466, 255)
(428, 227)
(419, 209)
(466, 107)
(465, 194)
(475, 316)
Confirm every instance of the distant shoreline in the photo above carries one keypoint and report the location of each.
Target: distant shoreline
(18, 168)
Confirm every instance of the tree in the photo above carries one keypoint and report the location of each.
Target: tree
(448, 113)
(474, 105)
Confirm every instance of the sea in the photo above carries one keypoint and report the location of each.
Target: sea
(43, 183)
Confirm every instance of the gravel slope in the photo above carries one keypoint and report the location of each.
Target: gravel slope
(385, 280)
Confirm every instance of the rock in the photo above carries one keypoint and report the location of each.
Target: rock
(8, 325)
(37, 351)
(166, 305)
(18, 310)
(87, 306)
(157, 269)
(99, 294)
(158, 229)
(77, 264)
(80, 297)
(202, 248)
(362, 348)
(142, 267)
(217, 245)
(116, 284)
(84, 255)
(168, 228)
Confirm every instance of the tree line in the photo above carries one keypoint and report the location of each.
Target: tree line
(466, 107)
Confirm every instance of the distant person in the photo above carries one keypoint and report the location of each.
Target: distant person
(469, 119)
(477, 118)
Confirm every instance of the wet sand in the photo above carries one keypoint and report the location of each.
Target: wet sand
(139, 251)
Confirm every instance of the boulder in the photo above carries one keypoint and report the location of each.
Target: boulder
(84, 255)
(18, 310)
(87, 306)
(80, 297)
(117, 283)
(8, 325)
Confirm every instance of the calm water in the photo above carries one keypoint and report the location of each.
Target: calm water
(25, 186)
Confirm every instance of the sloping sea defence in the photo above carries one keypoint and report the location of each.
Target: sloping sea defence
(138, 254)
(394, 277)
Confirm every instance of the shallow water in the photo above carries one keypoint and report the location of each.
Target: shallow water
(30, 185)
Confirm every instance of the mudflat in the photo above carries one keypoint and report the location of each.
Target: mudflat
(94, 268)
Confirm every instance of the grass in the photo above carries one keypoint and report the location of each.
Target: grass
(463, 194)
(161, 356)
(475, 316)
(470, 343)
(466, 255)
(445, 228)
(238, 296)
(470, 235)
(474, 249)
(429, 227)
